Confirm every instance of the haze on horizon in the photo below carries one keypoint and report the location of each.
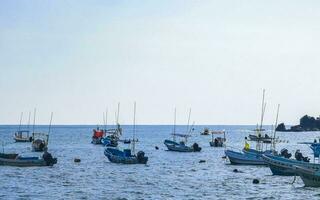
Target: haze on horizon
(76, 58)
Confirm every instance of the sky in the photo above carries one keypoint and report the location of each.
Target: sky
(78, 58)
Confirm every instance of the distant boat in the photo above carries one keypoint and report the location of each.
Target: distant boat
(23, 135)
(218, 141)
(127, 156)
(40, 139)
(17, 161)
(172, 145)
(206, 131)
(97, 136)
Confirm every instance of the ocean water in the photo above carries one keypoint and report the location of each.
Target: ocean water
(168, 175)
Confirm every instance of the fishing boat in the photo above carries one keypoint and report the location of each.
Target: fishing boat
(23, 135)
(181, 146)
(127, 156)
(218, 141)
(309, 176)
(97, 136)
(205, 132)
(40, 139)
(283, 166)
(264, 145)
(19, 161)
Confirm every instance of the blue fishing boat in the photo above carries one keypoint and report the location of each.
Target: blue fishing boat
(282, 166)
(181, 146)
(249, 157)
(19, 161)
(309, 176)
(218, 141)
(264, 145)
(126, 156)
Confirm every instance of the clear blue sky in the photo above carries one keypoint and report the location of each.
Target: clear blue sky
(76, 58)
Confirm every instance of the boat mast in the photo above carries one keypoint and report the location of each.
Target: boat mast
(21, 115)
(118, 113)
(34, 120)
(134, 128)
(49, 127)
(188, 120)
(29, 122)
(174, 124)
(274, 133)
(106, 117)
(263, 107)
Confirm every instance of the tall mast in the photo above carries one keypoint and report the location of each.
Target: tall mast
(106, 118)
(188, 120)
(174, 124)
(263, 107)
(29, 120)
(118, 112)
(134, 128)
(21, 115)
(34, 119)
(275, 127)
(49, 127)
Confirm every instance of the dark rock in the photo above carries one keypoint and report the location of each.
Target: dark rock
(202, 161)
(255, 181)
(281, 127)
(235, 170)
(77, 160)
(157, 148)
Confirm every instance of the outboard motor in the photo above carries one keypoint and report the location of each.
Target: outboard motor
(298, 155)
(49, 159)
(141, 158)
(285, 153)
(196, 147)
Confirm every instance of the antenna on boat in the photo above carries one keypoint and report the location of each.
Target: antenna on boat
(275, 128)
(188, 120)
(134, 127)
(174, 124)
(34, 119)
(21, 115)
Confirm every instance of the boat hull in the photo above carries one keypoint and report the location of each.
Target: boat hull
(174, 146)
(117, 156)
(237, 158)
(24, 162)
(285, 167)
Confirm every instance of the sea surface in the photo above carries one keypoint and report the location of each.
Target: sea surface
(168, 175)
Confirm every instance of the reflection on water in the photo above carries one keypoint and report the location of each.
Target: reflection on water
(168, 175)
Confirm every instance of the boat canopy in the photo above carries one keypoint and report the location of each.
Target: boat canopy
(181, 135)
(218, 132)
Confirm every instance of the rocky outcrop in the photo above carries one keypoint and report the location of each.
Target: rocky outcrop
(307, 123)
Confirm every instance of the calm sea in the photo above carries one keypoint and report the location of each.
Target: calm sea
(168, 175)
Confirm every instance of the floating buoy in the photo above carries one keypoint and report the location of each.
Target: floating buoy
(77, 160)
(235, 170)
(255, 181)
(224, 157)
(202, 161)
(157, 148)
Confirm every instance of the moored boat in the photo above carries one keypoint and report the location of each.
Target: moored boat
(218, 141)
(182, 146)
(45, 160)
(310, 177)
(127, 156)
(284, 166)
(245, 158)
